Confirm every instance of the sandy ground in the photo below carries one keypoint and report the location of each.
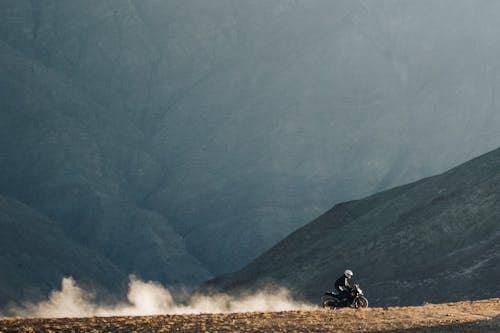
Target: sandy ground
(471, 317)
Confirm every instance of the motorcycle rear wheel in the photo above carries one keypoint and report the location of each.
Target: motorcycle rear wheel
(329, 303)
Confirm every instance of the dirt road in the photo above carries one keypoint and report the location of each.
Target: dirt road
(471, 317)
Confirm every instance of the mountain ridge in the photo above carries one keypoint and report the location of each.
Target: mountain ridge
(32, 264)
(441, 230)
(211, 130)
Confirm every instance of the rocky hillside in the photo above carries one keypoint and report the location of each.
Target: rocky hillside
(432, 240)
(180, 139)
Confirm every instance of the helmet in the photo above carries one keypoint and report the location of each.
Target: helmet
(348, 273)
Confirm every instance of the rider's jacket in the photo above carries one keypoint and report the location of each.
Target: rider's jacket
(342, 283)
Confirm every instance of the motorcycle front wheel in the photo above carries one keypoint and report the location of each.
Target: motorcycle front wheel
(360, 302)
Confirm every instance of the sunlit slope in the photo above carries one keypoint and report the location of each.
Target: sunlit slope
(471, 317)
(433, 240)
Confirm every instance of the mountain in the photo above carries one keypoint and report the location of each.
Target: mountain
(36, 254)
(432, 240)
(66, 155)
(181, 139)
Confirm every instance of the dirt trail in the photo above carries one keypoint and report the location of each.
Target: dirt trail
(471, 317)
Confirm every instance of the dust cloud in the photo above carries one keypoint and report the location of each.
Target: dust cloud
(151, 298)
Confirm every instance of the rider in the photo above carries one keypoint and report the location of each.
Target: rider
(342, 284)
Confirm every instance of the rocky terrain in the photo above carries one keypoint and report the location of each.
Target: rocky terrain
(464, 317)
(436, 239)
(180, 139)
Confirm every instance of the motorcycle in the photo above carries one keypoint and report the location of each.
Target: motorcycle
(355, 299)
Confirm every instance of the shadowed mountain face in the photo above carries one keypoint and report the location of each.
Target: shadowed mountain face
(36, 254)
(435, 239)
(180, 139)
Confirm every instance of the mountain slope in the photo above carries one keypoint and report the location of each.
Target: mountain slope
(35, 255)
(212, 129)
(60, 151)
(432, 240)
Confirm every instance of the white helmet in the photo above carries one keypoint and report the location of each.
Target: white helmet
(348, 273)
